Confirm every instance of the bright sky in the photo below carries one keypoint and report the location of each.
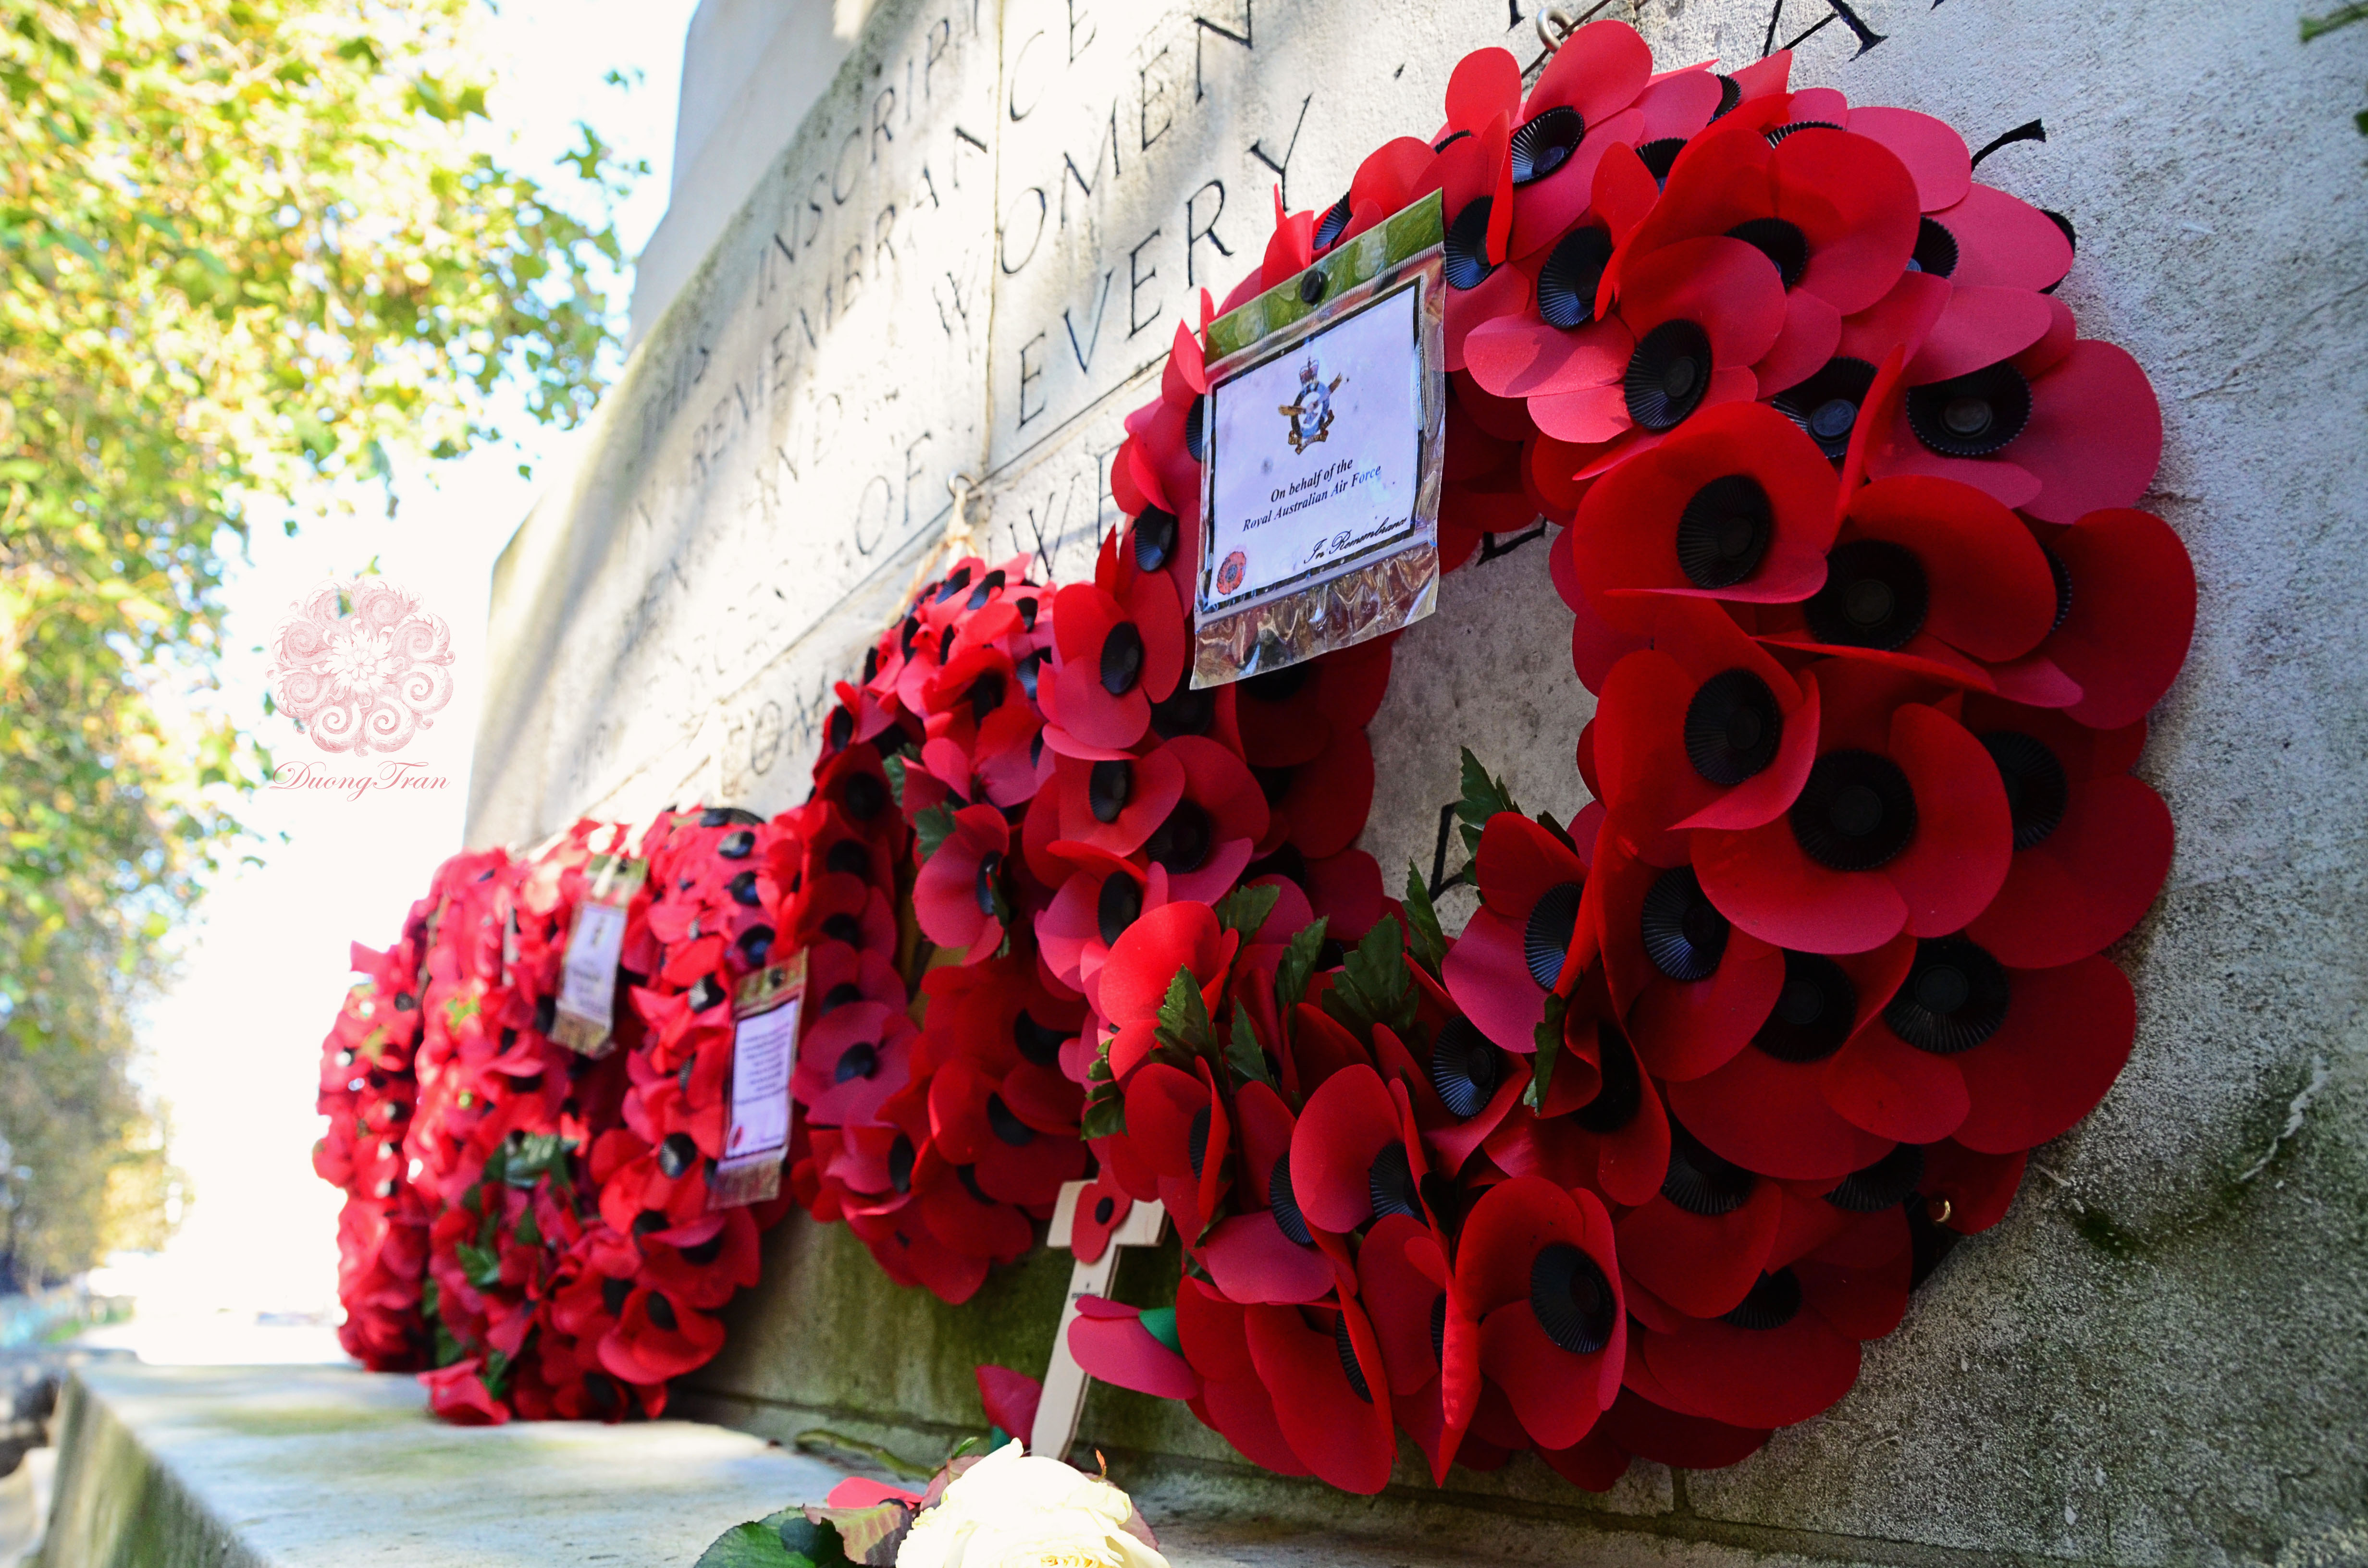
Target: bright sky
(233, 1049)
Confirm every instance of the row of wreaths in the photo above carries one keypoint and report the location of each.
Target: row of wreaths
(1710, 1081)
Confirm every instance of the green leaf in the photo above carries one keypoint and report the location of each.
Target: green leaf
(1184, 1016)
(1243, 1052)
(1161, 1324)
(1549, 1039)
(935, 824)
(867, 1536)
(786, 1540)
(1374, 986)
(1429, 942)
(1483, 798)
(1105, 1115)
(481, 1265)
(893, 766)
(1246, 909)
(1298, 965)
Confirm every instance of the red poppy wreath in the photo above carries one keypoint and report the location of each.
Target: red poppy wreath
(1713, 1076)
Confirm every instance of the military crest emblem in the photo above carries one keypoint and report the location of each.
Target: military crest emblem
(1311, 413)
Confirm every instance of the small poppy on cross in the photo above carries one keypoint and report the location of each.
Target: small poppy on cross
(1093, 1220)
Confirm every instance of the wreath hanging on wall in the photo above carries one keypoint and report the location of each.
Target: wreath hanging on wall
(1711, 1080)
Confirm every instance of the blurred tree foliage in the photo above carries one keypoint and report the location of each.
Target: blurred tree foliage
(248, 250)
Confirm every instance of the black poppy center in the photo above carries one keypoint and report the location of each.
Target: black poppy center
(1544, 144)
(1155, 537)
(699, 1254)
(1880, 1185)
(2063, 575)
(1771, 1302)
(1464, 1069)
(1104, 1207)
(1348, 1351)
(614, 1293)
(661, 1311)
(743, 889)
(1038, 1042)
(1572, 275)
(987, 895)
(1196, 1139)
(838, 996)
(1545, 938)
(1936, 249)
(1856, 811)
(2037, 790)
(1333, 225)
(1733, 727)
(848, 858)
(1667, 375)
(1279, 685)
(708, 994)
(1182, 843)
(1971, 416)
(1700, 1182)
(1196, 430)
(901, 1155)
(1876, 596)
(1826, 404)
(1006, 1127)
(1813, 1013)
(675, 1153)
(1116, 909)
(1786, 248)
(1107, 788)
(1573, 1298)
(1954, 997)
(1660, 156)
(1185, 712)
(1684, 933)
(1121, 659)
(1730, 92)
(1466, 263)
(986, 694)
(736, 845)
(1390, 1182)
(1623, 1091)
(864, 796)
(1723, 531)
(1283, 1203)
(857, 1061)
(841, 928)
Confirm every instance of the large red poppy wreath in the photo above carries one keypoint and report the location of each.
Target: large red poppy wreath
(1711, 1078)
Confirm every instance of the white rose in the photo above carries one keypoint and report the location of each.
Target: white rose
(1011, 1510)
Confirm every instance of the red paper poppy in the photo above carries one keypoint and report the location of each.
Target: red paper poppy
(1737, 505)
(958, 897)
(1323, 1371)
(1319, 806)
(1766, 1109)
(907, 1252)
(1016, 1155)
(1430, 1344)
(1096, 905)
(2062, 429)
(2092, 846)
(1903, 825)
(1208, 835)
(1535, 1264)
(1526, 938)
(1929, 576)
(1009, 1400)
(1356, 1155)
(2124, 615)
(656, 1338)
(1146, 957)
(851, 1062)
(1706, 1237)
(1615, 1143)
(1234, 1402)
(1999, 1059)
(1703, 729)
(1118, 654)
(1690, 986)
(1287, 716)
(963, 1216)
(1111, 1343)
(459, 1394)
(1115, 803)
(1264, 1253)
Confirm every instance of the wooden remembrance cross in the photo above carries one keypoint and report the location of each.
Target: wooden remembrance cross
(1065, 1381)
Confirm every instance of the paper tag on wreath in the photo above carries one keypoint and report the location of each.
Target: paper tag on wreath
(1326, 421)
(584, 1018)
(764, 1050)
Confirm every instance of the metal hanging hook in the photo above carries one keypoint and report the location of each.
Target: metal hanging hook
(1555, 24)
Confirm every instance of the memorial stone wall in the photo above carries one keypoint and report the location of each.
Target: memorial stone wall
(965, 268)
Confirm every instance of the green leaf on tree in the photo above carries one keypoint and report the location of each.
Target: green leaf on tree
(1483, 798)
(1423, 932)
(1549, 1039)
(934, 825)
(1298, 965)
(1246, 909)
(1243, 1052)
